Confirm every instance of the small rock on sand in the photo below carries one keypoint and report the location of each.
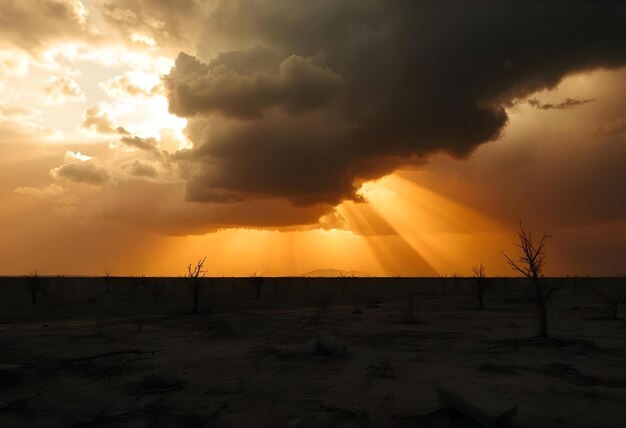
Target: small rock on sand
(327, 344)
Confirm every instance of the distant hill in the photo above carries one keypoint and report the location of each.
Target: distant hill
(335, 273)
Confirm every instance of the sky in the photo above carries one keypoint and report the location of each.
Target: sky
(284, 136)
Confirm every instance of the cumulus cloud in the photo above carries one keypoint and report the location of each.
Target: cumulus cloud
(63, 89)
(245, 84)
(308, 99)
(98, 118)
(132, 84)
(81, 169)
(146, 144)
(566, 104)
(115, 166)
(71, 156)
(142, 169)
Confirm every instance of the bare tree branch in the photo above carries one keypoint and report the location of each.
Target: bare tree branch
(530, 263)
(194, 273)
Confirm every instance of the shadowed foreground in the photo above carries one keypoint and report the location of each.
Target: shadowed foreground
(254, 362)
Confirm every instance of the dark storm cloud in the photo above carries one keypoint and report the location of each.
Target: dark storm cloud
(308, 99)
(158, 207)
(566, 104)
(245, 84)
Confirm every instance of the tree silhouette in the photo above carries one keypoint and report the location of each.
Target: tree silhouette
(530, 263)
(34, 286)
(195, 273)
(257, 280)
(481, 282)
(344, 280)
(107, 280)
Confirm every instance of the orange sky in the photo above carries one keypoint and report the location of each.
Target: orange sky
(92, 171)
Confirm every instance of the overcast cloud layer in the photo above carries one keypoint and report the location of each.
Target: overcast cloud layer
(311, 98)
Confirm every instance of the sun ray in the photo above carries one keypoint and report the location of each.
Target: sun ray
(431, 224)
(388, 246)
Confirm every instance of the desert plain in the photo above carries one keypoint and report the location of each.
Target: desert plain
(127, 352)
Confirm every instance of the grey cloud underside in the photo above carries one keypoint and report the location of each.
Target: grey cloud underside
(142, 169)
(566, 104)
(145, 144)
(82, 172)
(308, 99)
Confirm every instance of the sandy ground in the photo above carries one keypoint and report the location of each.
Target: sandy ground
(251, 366)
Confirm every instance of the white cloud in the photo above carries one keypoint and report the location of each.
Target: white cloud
(99, 119)
(61, 90)
(13, 63)
(132, 84)
(71, 156)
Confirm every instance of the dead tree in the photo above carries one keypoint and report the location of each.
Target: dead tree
(195, 273)
(107, 280)
(481, 284)
(530, 263)
(34, 286)
(257, 280)
(343, 281)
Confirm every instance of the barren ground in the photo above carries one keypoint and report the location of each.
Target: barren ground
(250, 365)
